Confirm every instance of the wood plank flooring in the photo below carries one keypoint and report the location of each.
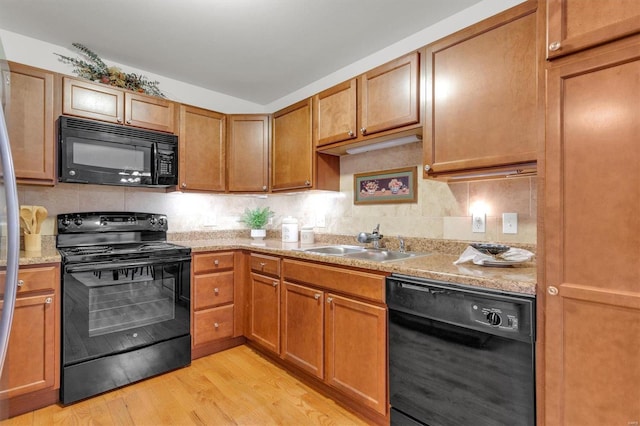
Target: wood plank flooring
(233, 387)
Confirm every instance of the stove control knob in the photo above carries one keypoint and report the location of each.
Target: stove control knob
(65, 221)
(153, 220)
(77, 221)
(494, 318)
(103, 221)
(162, 221)
(131, 219)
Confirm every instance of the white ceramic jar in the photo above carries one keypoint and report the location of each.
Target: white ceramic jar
(289, 229)
(306, 235)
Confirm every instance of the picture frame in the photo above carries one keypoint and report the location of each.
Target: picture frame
(386, 187)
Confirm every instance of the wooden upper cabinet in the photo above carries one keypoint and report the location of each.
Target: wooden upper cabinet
(101, 102)
(248, 153)
(292, 148)
(389, 95)
(592, 309)
(482, 95)
(578, 24)
(31, 114)
(201, 146)
(335, 113)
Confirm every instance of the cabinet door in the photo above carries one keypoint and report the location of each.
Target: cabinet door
(30, 362)
(578, 24)
(292, 156)
(335, 113)
(248, 153)
(356, 354)
(303, 328)
(390, 96)
(201, 149)
(592, 181)
(30, 122)
(482, 94)
(89, 100)
(265, 312)
(149, 112)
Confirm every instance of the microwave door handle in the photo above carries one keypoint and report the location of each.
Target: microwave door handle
(154, 163)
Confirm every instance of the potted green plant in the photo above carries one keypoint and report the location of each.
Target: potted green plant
(257, 220)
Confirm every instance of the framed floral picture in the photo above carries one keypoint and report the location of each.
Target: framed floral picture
(388, 186)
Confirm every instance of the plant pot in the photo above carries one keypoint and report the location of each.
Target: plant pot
(258, 234)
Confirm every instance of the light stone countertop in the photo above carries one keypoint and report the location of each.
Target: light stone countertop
(438, 266)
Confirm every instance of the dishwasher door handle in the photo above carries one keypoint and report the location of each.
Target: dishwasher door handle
(421, 288)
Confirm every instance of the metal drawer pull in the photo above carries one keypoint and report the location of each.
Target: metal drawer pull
(553, 291)
(20, 283)
(48, 300)
(275, 283)
(329, 299)
(317, 296)
(216, 290)
(262, 264)
(216, 262)
(216, 325)
(554, 46)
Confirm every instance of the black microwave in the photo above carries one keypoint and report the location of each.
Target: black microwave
(111, 154)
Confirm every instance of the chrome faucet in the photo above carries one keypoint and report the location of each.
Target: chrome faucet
(375, 237)
(403, 248)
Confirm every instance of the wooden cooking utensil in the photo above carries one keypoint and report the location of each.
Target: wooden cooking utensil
(41, 214)
(26, 215)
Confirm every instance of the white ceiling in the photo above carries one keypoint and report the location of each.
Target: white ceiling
(256, 50)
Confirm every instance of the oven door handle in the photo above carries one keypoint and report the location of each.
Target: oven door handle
(123, 265)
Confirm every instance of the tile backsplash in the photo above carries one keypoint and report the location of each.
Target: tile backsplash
(443, 211)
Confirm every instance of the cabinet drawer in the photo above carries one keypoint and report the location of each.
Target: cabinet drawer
(212, 324)
(267, 265)
(357, 283)
(34, 279)
(212, 289)
(208, 262)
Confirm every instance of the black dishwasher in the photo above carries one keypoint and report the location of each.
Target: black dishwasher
(459, 355)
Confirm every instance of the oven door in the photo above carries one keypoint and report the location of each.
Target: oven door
(114, 307)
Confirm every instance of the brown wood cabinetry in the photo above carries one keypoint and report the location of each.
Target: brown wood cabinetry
(482, 95)
(294, 161)
(101, 102)
(32, 365)
(591, 309)
(349, 333)
(201, 150)
(248, 153)
(335, 118)
(264, 293)
(31, 115)
(213, 297)
(574, 25)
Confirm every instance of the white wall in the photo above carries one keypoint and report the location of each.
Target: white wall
(40, 54)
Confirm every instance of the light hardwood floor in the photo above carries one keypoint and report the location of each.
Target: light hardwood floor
(236, 386)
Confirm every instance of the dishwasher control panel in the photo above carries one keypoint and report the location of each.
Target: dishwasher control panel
(492, 315)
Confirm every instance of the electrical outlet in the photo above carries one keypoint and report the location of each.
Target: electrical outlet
(321, 221)
(509, 223)
(478, 222)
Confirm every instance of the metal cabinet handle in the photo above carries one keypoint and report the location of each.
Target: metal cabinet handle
(427, 167)
(119, 120)
(554, 46)
(307, 183)
(264, 187)
(553, 291)
(275, 283)
(317, 296)
(351, 134)
(48, 300)
(363, 131)
(216, 290)
(262, 264)
(216, 262)
(20, 283)
(216, 325)
(184, 184)
(128, 121)
(329, 299)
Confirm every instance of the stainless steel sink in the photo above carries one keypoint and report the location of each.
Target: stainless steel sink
(363, 253)
(336, 250)
(383, 255)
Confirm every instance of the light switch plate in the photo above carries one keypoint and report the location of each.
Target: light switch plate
(509, 223)
(478, 222)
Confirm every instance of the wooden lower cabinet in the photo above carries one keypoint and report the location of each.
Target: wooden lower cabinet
(356, 350)
(264, 328)
(30, 378)
(213, 296)
(303, 328)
